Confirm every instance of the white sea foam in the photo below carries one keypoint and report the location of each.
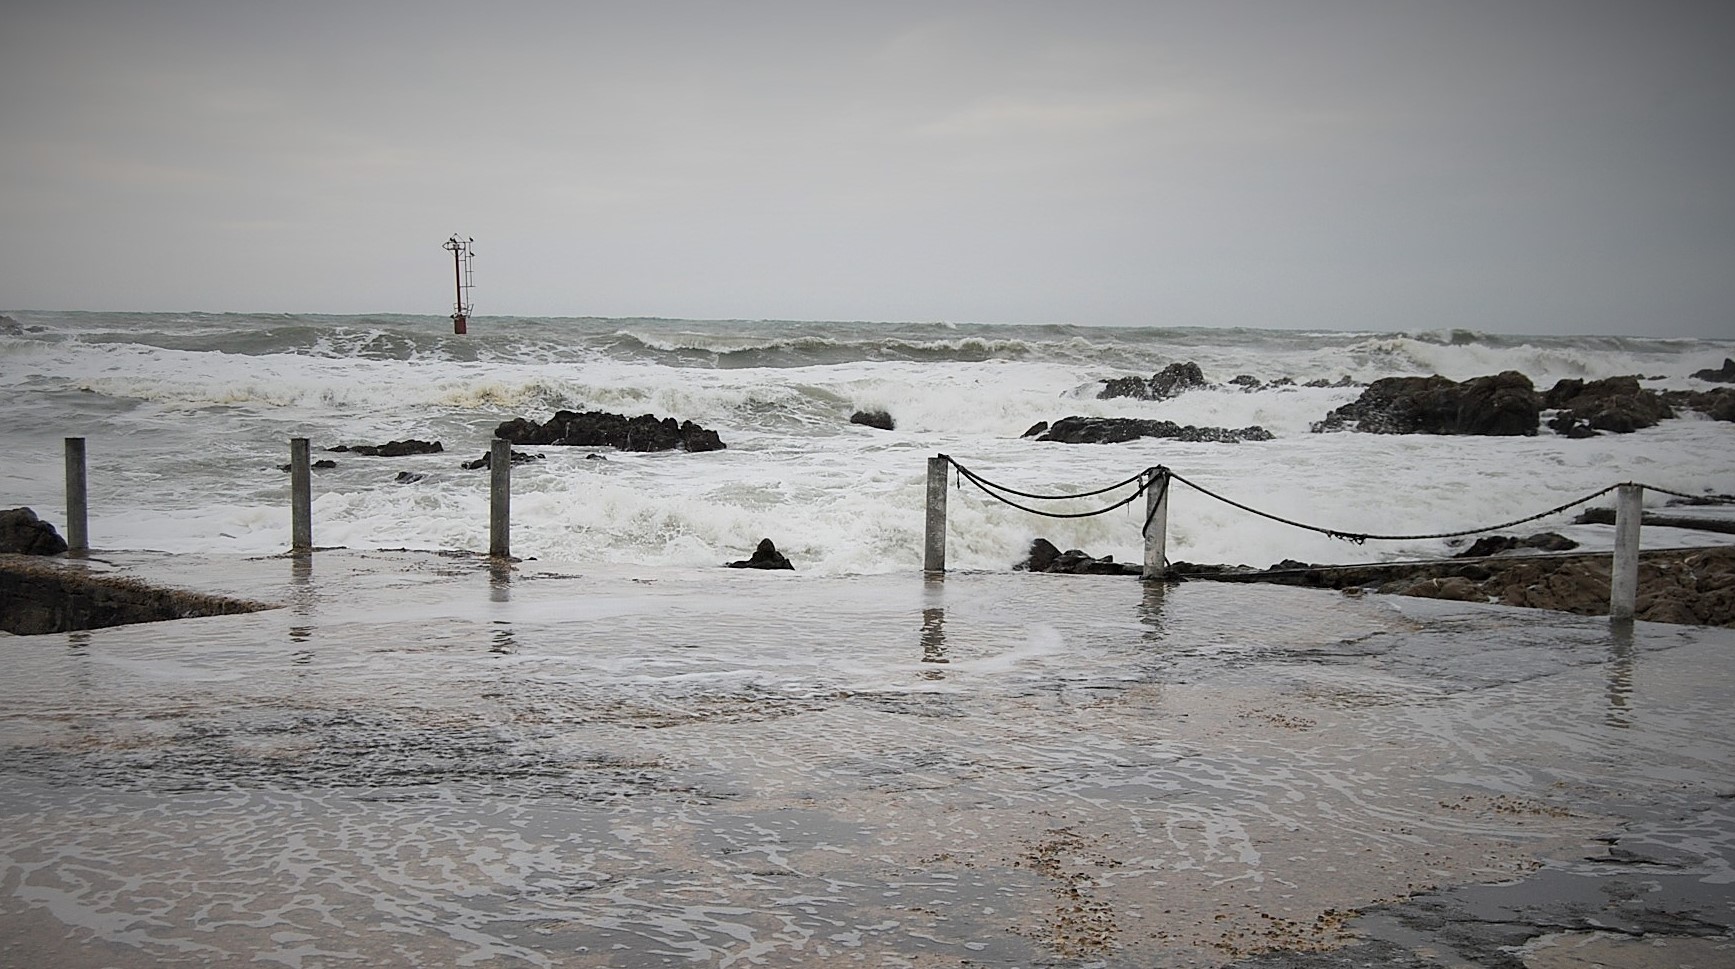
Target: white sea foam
(187, 421)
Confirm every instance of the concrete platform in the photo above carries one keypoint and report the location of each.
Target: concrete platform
(422, 760)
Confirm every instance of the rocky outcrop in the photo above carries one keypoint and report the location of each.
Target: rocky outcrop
(392, 449)
(1719, 404)
(873, 418)
(22, 533)
(601, 429)
(1113, 430)
(1723, 376)
(10, 327)
(1171, 381)
(1615, 404)
(766, 556)
(1045, 557)
(323, 464)
(1503, 404)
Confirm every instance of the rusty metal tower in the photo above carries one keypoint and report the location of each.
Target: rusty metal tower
(461, 257)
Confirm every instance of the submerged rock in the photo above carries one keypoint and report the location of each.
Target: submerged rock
(323, 464)
(487, 460)
(766, 556)
(22, 533)
(1113, 430)
(602, 429)
(392, 449)
(1495, 544)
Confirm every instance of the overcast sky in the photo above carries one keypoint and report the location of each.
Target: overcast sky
(1514, 166)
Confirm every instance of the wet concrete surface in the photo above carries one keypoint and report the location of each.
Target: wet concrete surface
(422, 760)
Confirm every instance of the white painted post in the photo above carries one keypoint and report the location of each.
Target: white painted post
(77, 505)
(1623, 586)
(934, 548)
(300, 496)
(500, 499)
(1157, 522)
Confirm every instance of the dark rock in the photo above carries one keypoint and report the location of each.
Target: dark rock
(1503, 404)
(392, 449)
(1719, 404)
(1723, 376)
(1247, 382)
(1113, 430)
(1045, 557)
(872, 418)
(37, 598)
(10, 327)
(1615, 404)
(22, 533)
(1170, 381)
(1343, 381)
(409, 477)
(1495, 544)
(487, 460)
(766, 556)
(323, 464)
(1037, 428)
(600, 429)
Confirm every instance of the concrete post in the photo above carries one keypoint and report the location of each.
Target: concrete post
(77, 506)
(1623, 587)
(300, 496)
(500, 499)
(934, 547)
(1156, 522)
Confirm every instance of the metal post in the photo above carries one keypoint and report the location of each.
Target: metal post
(1156, 522)
(300, 496)
(500, 498)
(1623, 586)
(934, 547)
(77, 507)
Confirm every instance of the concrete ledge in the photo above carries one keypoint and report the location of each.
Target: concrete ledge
(39, 595)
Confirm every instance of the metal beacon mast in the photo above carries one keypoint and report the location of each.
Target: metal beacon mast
(461, 257)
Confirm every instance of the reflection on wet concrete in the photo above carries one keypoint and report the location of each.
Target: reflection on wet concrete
(1150, 610)
(1620, 674)
(671, 772)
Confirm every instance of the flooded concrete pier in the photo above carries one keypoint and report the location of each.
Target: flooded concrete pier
(423, 759)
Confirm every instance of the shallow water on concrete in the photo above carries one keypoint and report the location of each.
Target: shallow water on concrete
(422, 760)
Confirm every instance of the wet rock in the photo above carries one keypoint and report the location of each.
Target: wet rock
(1723, 376)
(1037, 428)
(1171, 381)
(1719, 404)
(37, 598)
(10, 326)
(1615, 404)
(1046, 557)
(1503, 405)
(766, 556)
(487, 460)
(392, 449)
(602, 429)
(1456, 588)
(1495, 544)
(323, 464)
(873, 418)
(1113, 430)
(1343, 381)
(22, 533)
(408, 477)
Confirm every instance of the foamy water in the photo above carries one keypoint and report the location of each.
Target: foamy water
(187, 418)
